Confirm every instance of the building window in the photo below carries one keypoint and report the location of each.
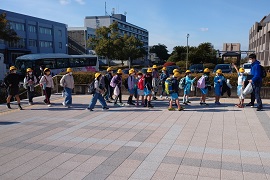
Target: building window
(16, 26)
(44, 30)
(18, 44)
(32, 29)
(60, 33)
(32, 42)
(47, 44)
(60, 45)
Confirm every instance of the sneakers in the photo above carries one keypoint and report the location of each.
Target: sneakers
(154, 98)
(49, 105)
(160, 96)
(217, 103)
(108, 101)
(8, 106)
(259, 109)
(188, 102)
(250, 104)
(64, 104)
(181, 109)
(89, 109)
(30, 103)
(203, 103)
(105, 108)
(185, 103)
(171, 109)
(20, 107)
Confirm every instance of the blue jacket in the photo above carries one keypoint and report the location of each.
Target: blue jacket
(256, 72)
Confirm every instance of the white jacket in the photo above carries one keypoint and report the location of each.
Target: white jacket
(47, 80)
(67, 81)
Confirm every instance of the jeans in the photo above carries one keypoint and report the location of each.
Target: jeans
(97, 96)
(256, 94)
(68, 99)
(109, 92)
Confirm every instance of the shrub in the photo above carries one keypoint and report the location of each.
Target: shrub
(181, 64)
(209, 65)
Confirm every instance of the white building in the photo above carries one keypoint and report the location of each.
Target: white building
(259, 40)
(124, 27)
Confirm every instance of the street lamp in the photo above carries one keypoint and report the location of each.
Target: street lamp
(187, 52)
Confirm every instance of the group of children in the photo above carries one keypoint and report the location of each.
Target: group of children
(143, 87)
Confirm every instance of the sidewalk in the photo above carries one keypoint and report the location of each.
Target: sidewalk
(136, 143)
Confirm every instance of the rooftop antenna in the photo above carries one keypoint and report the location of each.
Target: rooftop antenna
(106, 9)
(125, 13)
(113, 11)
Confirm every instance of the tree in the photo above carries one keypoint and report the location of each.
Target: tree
(161, 51)
(103, 42)
(6, 33)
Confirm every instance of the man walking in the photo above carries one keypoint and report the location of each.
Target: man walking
(256, 81)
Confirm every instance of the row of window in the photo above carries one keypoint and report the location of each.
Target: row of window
(31, 28)
(130, 28)
(143, 38)
(33, 43)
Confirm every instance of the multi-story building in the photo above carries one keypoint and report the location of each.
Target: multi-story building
(124, 27)
(77, 39)
(259, 40)
(37, 36)
(232, 47)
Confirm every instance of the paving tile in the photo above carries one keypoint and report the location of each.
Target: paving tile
(75, 175)
(56, 173)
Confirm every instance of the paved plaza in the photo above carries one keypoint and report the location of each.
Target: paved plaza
(135, 143)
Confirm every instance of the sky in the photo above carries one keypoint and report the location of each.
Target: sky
(168, 21)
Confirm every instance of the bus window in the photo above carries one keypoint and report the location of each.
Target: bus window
(49, 63)
(22, 65)
(92, 61)
(62, 63)
(77, 62)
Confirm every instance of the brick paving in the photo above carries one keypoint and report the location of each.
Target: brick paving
(135, 143)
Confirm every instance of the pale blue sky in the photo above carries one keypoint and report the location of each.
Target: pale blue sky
(168, 21)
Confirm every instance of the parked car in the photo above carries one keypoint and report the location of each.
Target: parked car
(171, 68)
(247, 67)
(226, 68)
(196, 68)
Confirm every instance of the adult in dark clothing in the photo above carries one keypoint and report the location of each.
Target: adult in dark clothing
(12, 81)
(256, 81)
(108, 78)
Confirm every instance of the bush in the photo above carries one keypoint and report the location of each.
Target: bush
(209, 65)
(181, 64)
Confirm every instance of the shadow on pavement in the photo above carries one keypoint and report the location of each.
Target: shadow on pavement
(8, 123)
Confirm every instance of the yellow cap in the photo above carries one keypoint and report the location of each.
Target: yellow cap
(131, 71)
(154, 67)
(219, 71)
(12, 68)
(149, 70)
(97, 74)
(164, 69)
(119, 71)
(175, 70)
(241, 70)
(69, 70)
(188, 71)
(46, 69)
(109, 69)
(177, 74)
(29, 70)
(206, 70)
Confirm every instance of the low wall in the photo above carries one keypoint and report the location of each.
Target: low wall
(265, 91)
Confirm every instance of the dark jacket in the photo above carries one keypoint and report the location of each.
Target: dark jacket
(148, 81)
(256, 72)
(175, 85)
(12, 80)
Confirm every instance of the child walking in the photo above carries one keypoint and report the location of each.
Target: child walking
(187, 88)
(67, 82)
(240, 86)
(218, 82)
(46, 82)
(164, 75)
(204, 85)
(29, 83)
(131, 86)
(148, 88)
(140, 88)
(174, 94)
(117, 81)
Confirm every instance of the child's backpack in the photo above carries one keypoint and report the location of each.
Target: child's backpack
(140, 84)
(168, 86)
(263, 72)
(182, 83)
(91, 88)
(112, 83)
(201, 83)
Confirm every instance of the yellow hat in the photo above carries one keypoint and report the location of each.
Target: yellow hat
(29, 70)
(219, 71)
(46, 69)
(131, 71)
(154, 67)
(149, 70)
(12, 68)
(177, 74)
(241, 70)
(188, 71)
(119, 71)
(175, 70)
(109, 69)
(206, 70)
(69, 70)
(97, 74)
(164, 69)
